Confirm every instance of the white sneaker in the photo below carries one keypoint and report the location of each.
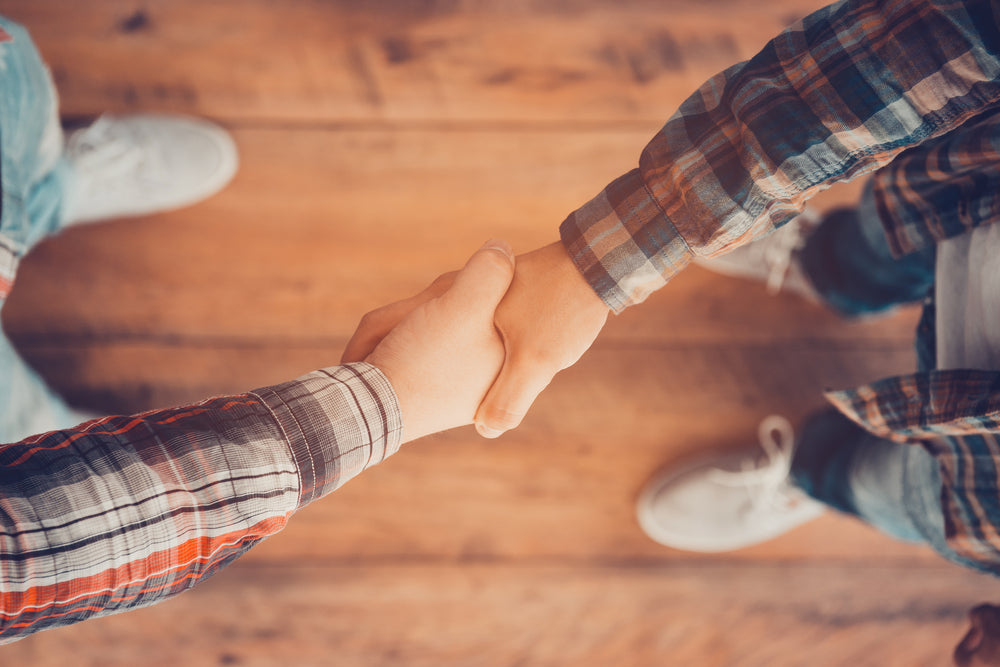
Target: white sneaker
(141, 164)
(772, 260)
(729, 502)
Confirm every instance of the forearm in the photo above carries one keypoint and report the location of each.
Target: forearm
(125, 512)
(832, 98)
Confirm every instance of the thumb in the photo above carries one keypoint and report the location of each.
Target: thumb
(485, 278)
(508, 400)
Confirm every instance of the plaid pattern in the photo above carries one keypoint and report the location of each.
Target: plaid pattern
(123, 512)
(955, 414)
(833, 97)
(948, 186)
(836, 96)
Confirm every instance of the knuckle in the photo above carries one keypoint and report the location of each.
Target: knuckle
(371, 319)
(442, 283)
(501, 419)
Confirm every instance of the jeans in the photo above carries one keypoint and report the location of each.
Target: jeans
(34, 176)
(892, 486)
(848, 262)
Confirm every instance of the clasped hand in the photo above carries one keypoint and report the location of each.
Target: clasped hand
(480, 344)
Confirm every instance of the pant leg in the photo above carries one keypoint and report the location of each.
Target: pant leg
(892, 486)
(848, 261)
(33, 174)
(29, 406)
(33, 170)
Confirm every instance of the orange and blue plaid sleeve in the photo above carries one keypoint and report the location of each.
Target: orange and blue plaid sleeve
(835, 96)
(123, 512)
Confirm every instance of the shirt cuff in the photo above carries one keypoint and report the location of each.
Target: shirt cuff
(624, 244)
(337, 422)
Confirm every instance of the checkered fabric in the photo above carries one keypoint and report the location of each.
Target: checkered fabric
(838, 95)
(123, 512)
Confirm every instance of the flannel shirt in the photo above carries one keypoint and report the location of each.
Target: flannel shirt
(838, 95)
(123, 512)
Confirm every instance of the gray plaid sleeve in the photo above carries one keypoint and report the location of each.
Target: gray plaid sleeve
(338, 422)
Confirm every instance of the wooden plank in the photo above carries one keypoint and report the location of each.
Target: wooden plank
(395, 61)
(322, 225)
(332, 222)
(562, 486)
(537, 615)
(160, 371)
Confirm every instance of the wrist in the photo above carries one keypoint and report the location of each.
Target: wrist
(570, 279)
(407, 398)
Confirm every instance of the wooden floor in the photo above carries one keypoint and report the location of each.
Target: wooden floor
(382, 142)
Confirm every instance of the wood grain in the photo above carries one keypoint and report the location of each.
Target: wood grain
(322, 225)
(769, 615)
(427, 61)
(563, 486)
(381, 142)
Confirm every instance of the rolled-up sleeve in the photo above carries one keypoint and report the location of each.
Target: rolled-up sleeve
(123, 512)
(833, 97)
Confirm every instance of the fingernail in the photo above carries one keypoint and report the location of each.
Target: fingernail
(488, 432)
(501, 245)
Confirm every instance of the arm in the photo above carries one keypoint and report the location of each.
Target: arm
(832, 98)
(124, 512)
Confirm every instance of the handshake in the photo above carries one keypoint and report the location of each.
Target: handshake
(480, 344)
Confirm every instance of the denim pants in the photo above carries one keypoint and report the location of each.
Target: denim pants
(34, 175)
(892, 486)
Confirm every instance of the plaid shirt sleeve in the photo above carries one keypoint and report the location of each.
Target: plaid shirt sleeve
(833, 97)
(124, 512)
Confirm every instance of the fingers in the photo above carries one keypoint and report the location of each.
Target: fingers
(484, 280)
(442, 356)
(487, 275)
(510, 397)
(374, 327)
(377, 324)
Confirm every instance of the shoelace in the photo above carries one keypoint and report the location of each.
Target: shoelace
(106, 152)
(766, 484)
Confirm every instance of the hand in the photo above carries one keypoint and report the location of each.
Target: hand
(548, 319)
(377, 324)
(443, 351)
